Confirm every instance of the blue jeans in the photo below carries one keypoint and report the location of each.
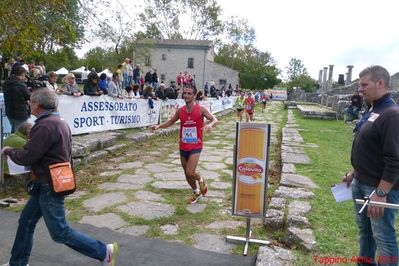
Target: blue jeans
(51, 207)
(376, 232)
(125, 80)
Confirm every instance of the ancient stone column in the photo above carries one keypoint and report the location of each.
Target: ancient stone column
(319, 82)
(324, 85)
(330, 73)
(349, 75)
(330, 77)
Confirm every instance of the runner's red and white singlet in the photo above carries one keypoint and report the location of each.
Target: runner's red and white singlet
(191, 125)
(249, 103)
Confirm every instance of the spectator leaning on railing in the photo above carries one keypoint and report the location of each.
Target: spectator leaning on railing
(91, 85)
(69, 86)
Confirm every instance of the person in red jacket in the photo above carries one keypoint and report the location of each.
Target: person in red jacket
(191, 117)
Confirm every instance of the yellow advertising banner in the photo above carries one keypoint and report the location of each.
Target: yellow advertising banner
(251, 156)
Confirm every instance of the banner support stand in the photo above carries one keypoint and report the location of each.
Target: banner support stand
(247, 239)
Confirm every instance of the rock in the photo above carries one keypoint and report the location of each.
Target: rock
(148, 196)
(277, 203)
(109, 220)
(214, 243)
(135, 179)
(147, 210)
(274, 256)
(289, 168)
(297, 221)
(170, 229)
(294, 180)
(274, 219)
(196, 208)
(295, 158)
(135, 230)
(130, 165)
(293, 193)
(299, 207)
(103, 201)
(304, 237)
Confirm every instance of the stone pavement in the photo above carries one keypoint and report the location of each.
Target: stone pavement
(134, 250)
(136, 190)
(134, 204)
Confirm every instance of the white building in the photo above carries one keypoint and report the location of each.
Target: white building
(170, 57)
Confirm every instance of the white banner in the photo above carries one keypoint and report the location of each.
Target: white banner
(88, 114)
(169, 108)
(216, 105)
(279, 94)
(101, 113)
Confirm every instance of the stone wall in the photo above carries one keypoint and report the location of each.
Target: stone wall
(338, 98)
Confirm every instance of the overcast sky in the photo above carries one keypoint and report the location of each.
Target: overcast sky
(321, 32)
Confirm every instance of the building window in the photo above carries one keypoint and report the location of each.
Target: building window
(147, 61)
(190, 63)
(162, 77)
(222, 82)
(163, 57)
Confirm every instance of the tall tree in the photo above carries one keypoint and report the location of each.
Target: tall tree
(257, 69)
(295, 69)
(64, 57)
(298, 76)
(29, 26)
(181, 19)
(117, 32)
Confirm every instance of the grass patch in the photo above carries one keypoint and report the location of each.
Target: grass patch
(333, 223)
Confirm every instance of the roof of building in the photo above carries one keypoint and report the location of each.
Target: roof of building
(204, 44)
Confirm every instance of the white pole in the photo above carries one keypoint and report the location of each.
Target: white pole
(378, 204)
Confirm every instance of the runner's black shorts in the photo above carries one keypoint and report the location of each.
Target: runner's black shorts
(186, 154)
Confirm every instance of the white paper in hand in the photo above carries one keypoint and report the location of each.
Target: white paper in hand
(16, 169)
(341, 192)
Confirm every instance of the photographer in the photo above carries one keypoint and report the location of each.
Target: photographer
(16, 97)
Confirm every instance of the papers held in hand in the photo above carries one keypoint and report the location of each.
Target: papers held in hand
(341, 192)
(16, 169)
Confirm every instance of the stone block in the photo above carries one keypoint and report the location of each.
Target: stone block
(303, 237)
(274, 256)
(274, 219)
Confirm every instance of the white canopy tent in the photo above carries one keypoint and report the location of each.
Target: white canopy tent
(107, 72)
(62, 71)
(79, 73)
(78, 70)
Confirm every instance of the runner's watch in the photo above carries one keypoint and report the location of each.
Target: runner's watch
(380, 192)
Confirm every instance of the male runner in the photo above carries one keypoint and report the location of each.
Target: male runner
(249, 107)
(240, 105)
(191, 126)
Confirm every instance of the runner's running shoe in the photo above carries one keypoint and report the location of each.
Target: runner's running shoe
(203, 187)
(194, 198)
(112, 250)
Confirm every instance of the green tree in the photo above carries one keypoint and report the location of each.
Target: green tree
(298, 76)
(181, 19)
(64, 57)
(295, 69)
(34, 27)
(257, 69)
(99, 58)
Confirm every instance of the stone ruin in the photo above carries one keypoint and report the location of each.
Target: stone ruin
(336, 96)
